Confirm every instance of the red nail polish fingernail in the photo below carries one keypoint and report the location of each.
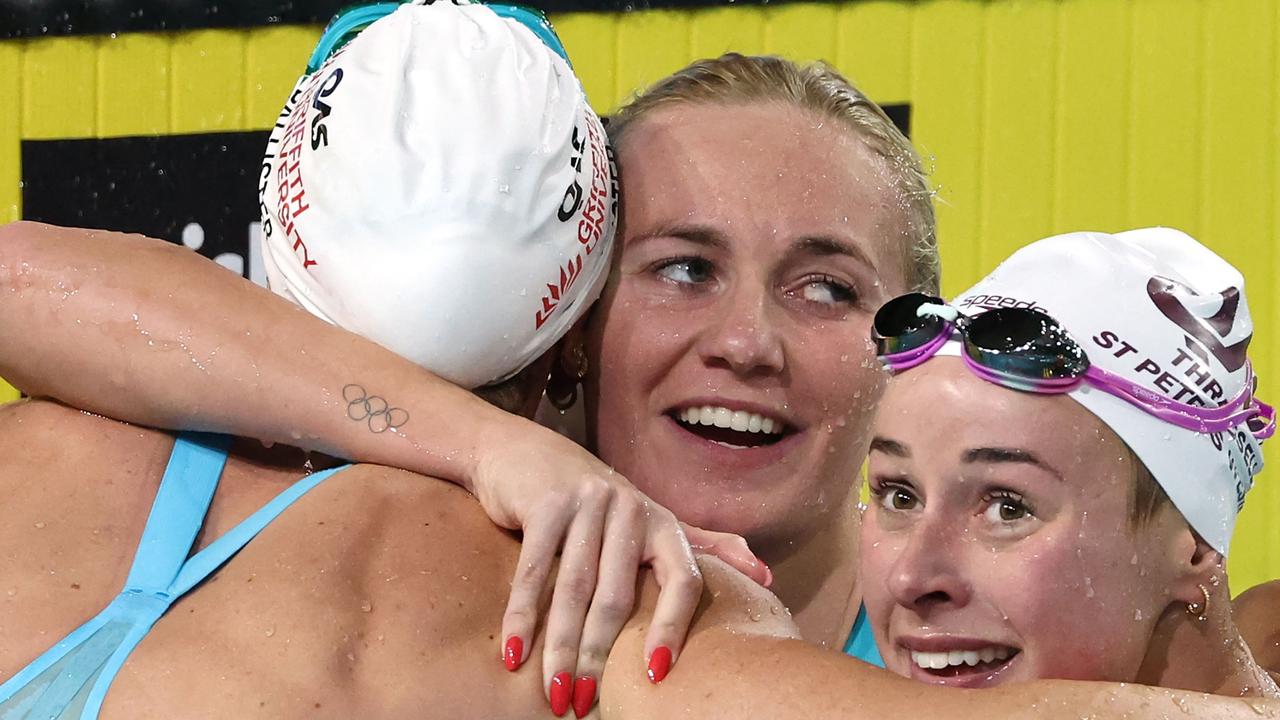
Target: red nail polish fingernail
(584, 695)
(659, 664)
(561, 691)
(512, 654)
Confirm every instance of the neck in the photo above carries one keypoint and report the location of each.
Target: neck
(1208, 655)
(816, 577)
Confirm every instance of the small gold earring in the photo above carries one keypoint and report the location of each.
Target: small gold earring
(563, 398)
(580, 359)
(1200, 611)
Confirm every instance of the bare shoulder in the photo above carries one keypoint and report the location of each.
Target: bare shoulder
(734, 613)
(39, 435)
(418, 573)
(76, 488)
(379, 593)
(37, 415)
(1260, 602)
(1257, 614)
(428, 533)
(732, 602)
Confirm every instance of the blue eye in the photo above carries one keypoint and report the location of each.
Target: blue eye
(685, 271)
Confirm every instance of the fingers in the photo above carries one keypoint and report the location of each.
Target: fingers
(620, 555)
(541, 541)
(574, 589)
(604, 530)
(732, 549)
(680, 589)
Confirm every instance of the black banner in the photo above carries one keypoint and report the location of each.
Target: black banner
(198, 190)
(34, 18)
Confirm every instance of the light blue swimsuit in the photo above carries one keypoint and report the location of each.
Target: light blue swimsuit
(861, 644)
(71, 679)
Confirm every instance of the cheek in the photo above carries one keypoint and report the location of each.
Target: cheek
(631, 346)
(883, 544)
(843, 378)
(878, 553)
(626, 337)
(1071, 602)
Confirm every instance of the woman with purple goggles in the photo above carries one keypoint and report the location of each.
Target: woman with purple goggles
(1025, 535)
(1025, 349)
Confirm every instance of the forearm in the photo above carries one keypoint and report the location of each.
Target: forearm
(744, 659)
(728, 675)
(151, 333)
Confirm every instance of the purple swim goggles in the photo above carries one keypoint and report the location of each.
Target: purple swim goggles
(1027, 350)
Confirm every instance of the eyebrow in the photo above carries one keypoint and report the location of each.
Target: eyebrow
(994, 455)
(825, 245)
(889, 447)
(697, 234)
(706, 236)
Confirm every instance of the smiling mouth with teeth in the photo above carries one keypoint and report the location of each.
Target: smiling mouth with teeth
(963, 662)
(731, 428)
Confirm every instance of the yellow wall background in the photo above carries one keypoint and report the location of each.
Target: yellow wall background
(1036, 116)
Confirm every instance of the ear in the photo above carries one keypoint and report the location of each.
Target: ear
(572, 349)
(569, 367)
(1198, 565)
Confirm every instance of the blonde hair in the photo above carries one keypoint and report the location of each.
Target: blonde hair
(1146, 496)
(816, 87)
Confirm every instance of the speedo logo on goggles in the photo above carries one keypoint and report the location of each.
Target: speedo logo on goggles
(1025, 349)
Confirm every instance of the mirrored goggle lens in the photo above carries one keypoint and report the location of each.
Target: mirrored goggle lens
(899, 327)
(1026, 343)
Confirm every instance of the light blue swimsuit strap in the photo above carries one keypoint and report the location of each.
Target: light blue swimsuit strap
(75, 683)
(176, 516)
(861, 643)
(178, 513)
(199, 567)
(207, 561)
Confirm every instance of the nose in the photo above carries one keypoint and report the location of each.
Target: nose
(743, 338)
(927, 575)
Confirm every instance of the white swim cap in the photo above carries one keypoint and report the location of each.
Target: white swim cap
(441, 186)
(1164, 311)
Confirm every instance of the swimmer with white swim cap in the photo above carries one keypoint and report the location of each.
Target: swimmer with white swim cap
(427, 205)
(744, 662)
(440, 185)
(1054, 497)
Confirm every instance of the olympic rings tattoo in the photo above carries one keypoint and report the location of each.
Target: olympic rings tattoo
(376, 410)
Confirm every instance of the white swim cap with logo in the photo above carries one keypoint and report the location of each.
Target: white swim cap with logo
(441, 186)
(1164, 311)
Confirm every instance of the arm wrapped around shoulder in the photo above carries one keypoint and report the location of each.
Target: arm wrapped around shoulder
(744, 658)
